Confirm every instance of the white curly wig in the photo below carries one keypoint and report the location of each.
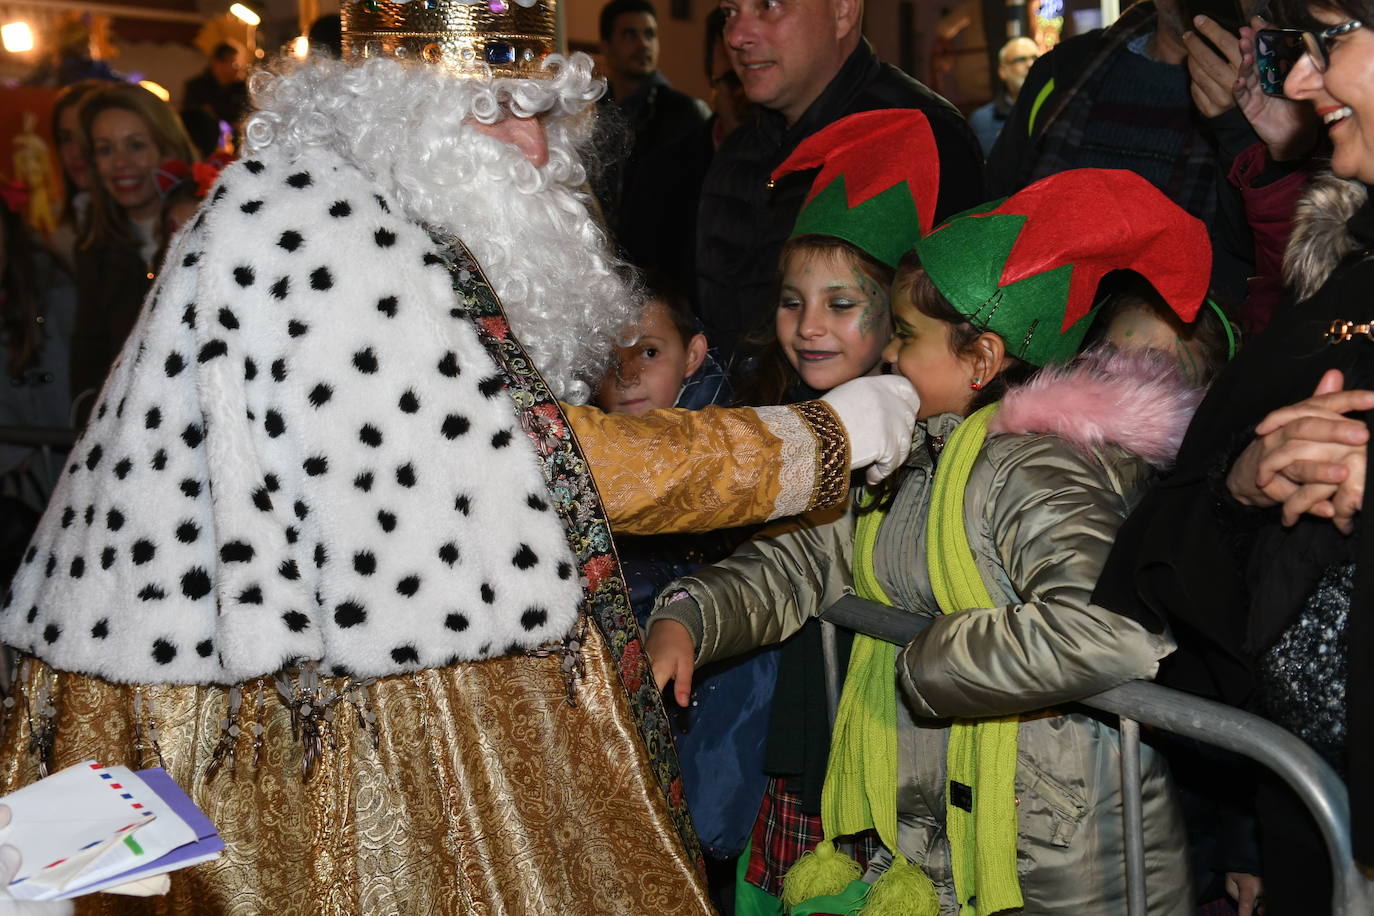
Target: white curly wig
(568, 298)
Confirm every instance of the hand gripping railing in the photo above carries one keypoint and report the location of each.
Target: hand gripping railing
(1311, 777)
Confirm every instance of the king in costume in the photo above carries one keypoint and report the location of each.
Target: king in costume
(336, 551)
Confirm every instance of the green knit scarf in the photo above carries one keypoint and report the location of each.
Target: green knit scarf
(980, 797)
(860, 790)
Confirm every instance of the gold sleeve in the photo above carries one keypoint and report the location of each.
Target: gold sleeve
(698, 470)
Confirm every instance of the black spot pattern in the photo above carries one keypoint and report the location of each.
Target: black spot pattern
(236, 552)
(524, 558)
(455, 425)
(365, 361)
(350, 614)
(195, 583)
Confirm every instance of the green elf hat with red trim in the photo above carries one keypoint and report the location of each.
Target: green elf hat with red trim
(1027, 267)
(878, 181)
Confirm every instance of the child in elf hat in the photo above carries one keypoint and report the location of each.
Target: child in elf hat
(989, 796)
(874, 181)
(873, 196)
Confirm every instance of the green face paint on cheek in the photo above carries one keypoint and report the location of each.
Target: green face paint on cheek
(876, 316)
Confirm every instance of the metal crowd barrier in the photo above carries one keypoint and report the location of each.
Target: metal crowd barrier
(32, 479)
(38, 436)
(1311, 777)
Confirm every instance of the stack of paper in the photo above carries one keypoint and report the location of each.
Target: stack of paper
(88, 828)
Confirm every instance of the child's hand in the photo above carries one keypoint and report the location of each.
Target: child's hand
(673, 658)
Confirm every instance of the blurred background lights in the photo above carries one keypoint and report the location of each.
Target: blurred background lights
(244, 14)
(156, 89)
(17, 37)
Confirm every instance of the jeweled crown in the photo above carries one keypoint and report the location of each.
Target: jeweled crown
(468, 37)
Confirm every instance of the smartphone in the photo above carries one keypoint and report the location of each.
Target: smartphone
(1225, 13)
(1276, 51)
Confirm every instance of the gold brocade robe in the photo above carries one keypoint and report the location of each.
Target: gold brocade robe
(476, 788)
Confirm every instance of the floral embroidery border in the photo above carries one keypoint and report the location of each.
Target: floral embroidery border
(577, 501)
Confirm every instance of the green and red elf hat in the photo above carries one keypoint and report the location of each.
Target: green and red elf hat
(1027, 267)
(878, 182)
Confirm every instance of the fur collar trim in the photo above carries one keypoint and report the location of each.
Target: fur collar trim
(1321, 237)
(1135, 399)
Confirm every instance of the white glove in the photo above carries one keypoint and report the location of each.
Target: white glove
(879, 414)
(9, 867)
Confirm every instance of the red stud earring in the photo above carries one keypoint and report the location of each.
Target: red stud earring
(977, 384)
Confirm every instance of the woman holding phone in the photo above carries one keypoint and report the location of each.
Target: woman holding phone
(1250, 551)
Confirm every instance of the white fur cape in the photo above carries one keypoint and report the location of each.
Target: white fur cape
(300, 454)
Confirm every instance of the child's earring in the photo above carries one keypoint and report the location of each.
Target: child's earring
(977, 384)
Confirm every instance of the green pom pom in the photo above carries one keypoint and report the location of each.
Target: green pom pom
(902, 890)
(820, 872)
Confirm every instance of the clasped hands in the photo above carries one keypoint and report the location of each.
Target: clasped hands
(1308, 457)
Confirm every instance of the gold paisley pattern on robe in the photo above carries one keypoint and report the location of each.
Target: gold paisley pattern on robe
(559, 812)
(699, 470)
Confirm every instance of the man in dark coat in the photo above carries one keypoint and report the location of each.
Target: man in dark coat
(220, 88)
(647, 195)
(807, 64)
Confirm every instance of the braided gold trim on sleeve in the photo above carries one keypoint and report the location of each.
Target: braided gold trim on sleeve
(832, 469)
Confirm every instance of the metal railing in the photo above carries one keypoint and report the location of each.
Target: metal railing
(31, 479)
(38, 436)
(1311, 777)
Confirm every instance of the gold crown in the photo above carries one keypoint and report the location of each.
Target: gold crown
(467, 37)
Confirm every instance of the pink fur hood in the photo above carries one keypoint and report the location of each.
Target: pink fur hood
(1136, 399)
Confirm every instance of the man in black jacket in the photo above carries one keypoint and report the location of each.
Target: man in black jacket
(647, 197)
(807, 64)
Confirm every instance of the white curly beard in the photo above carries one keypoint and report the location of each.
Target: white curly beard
(568, 298)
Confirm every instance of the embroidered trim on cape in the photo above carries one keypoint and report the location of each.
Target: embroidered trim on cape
(578, 503)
